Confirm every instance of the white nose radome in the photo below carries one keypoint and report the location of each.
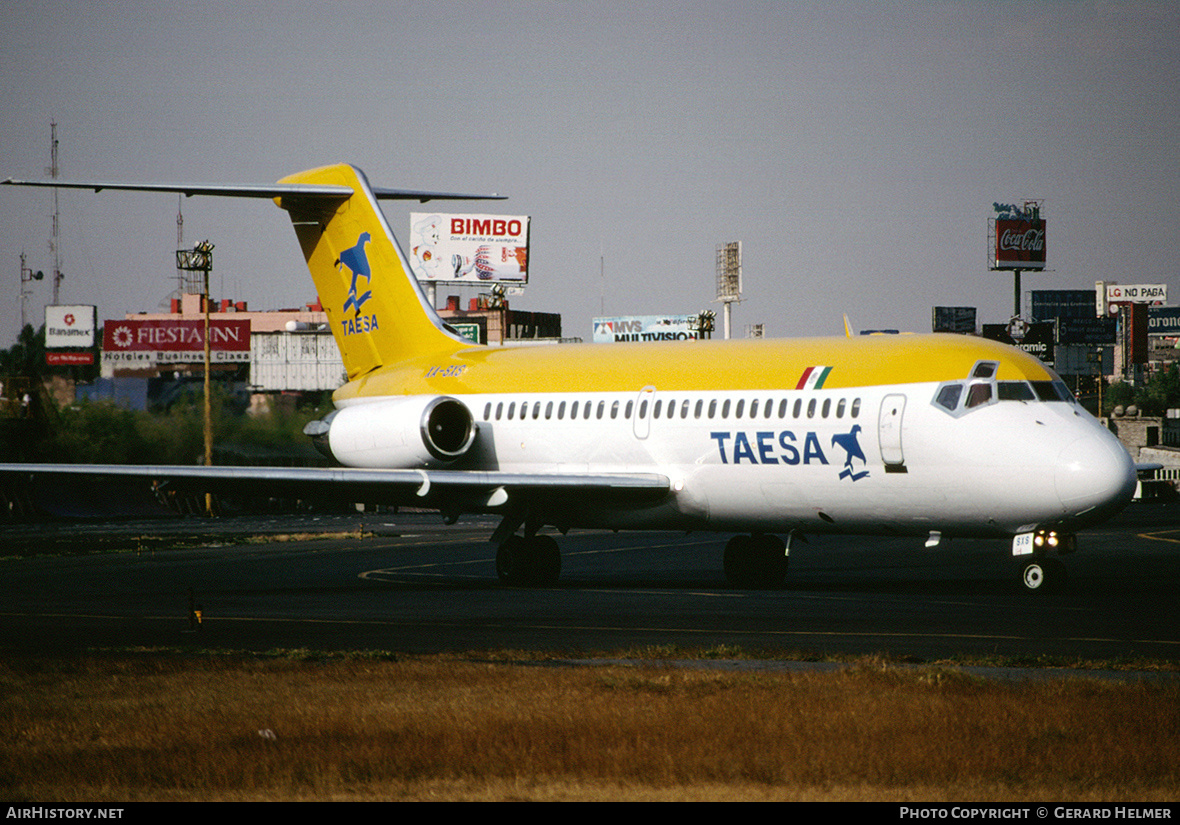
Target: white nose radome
(1094, 475)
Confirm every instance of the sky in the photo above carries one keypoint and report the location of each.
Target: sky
(854, 148)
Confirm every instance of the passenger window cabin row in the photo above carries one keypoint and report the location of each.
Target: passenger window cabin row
(672, 408)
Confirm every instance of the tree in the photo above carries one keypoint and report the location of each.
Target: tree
(27, 356)
(1161, 392)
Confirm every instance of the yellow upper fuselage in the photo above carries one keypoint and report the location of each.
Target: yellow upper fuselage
(694, 365)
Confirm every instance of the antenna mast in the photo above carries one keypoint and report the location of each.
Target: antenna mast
(53, 244)
(185, 283)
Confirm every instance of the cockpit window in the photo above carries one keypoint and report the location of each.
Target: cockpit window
(948, 396)
(984, 369)
(980, 393)
(1015, 391)
(960, 397)
(1052, 391)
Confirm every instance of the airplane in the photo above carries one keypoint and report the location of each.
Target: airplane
(931, 435)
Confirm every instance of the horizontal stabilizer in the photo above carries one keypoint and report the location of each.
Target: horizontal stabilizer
(267, 190)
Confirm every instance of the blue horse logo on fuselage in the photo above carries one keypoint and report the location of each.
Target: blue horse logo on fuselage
(358, 264)
(851, 446)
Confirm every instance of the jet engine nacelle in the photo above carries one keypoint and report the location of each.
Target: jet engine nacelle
(396, 433)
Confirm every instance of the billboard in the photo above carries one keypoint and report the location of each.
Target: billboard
(469, 248)
(1163, 320)
(136, 342)
(1099, 332)
(1135, 294)
(1035, 339)
(1020, 243)
(645, 328)
(953, 319)
(1062, 303)
(69, 327)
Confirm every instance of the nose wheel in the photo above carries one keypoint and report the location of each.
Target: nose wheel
(1041, 575)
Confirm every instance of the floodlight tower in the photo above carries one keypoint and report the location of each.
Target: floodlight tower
(200, 259)
(729, 279)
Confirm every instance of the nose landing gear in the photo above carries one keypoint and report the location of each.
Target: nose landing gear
(1040, 573)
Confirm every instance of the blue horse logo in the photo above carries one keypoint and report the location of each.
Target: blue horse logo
(358, 264)
(851, 446)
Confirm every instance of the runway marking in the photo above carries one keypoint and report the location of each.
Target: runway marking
(1159, 536)
(593, 628)
(407, 569)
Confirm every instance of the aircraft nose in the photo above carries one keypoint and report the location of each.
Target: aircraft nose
(1095, 473)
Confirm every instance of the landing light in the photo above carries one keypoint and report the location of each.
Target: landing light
(1051, 540)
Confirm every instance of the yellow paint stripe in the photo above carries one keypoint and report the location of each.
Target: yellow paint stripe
(774, 364)
(1160, 536)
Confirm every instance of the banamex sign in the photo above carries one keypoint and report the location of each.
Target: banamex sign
(1020, 244)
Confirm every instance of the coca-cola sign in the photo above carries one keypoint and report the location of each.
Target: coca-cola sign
(1020, 244)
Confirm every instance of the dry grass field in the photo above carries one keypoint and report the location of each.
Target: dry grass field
(164, 726)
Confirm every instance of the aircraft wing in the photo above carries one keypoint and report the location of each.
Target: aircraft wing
(448, 490)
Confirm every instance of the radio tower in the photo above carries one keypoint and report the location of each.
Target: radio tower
(53, 244)
(181, 277)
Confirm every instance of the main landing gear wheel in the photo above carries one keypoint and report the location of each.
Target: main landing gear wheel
(756, 562)
(532, 561)
(1043, 575)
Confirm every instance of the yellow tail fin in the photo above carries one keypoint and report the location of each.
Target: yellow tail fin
(377, 311)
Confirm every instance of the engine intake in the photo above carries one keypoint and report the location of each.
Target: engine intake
(448, 430)
(408, 432)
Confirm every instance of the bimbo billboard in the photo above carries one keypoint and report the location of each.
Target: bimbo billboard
(473, 248)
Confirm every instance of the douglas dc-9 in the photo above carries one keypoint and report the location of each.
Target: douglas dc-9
(932, 436)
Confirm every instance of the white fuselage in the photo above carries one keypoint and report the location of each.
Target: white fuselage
(883, 459)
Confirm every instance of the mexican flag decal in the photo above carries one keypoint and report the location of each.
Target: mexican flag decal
(813, 378)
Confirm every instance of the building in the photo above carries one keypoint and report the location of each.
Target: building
(489, 320)
(291, 351)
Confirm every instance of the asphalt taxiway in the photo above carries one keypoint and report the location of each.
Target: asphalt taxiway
(411, 584)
